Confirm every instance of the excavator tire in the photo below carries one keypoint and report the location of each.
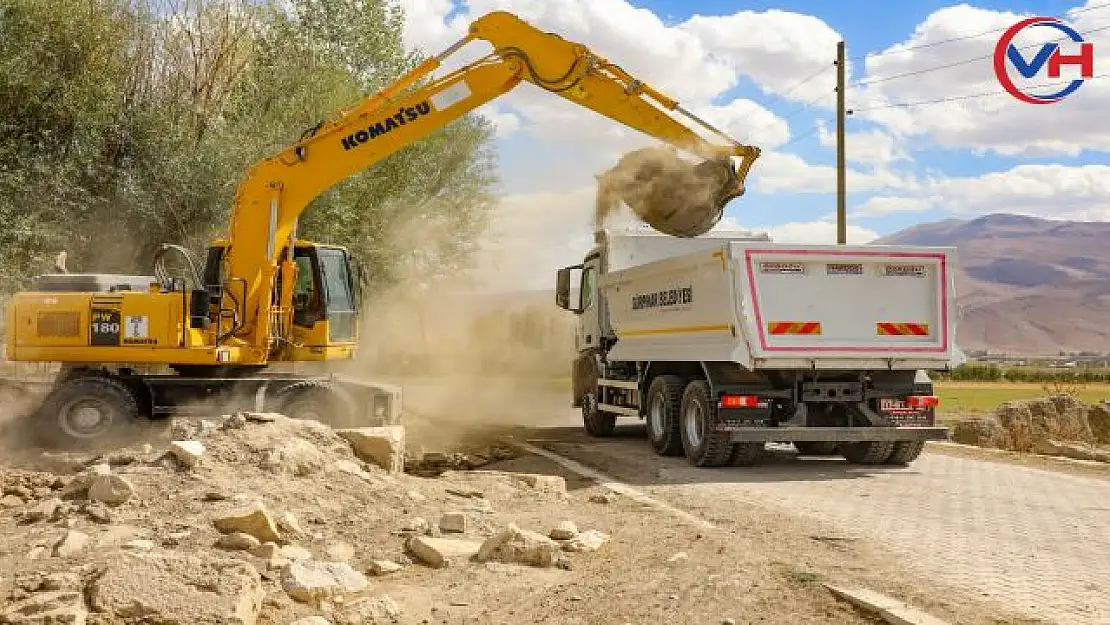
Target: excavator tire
(86, 411)
(319, 401)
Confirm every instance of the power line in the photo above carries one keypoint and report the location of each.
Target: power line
(804, 81)
(789, 115)
(809, 133)
(985, 32)
(873, 81)
(958, 98)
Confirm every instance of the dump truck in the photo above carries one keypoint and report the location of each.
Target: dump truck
(725, 342)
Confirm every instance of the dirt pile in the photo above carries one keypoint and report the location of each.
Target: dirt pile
(1054, 425)
(668, 193)
(259, 519)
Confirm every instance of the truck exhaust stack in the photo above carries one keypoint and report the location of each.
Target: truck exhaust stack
(671, 195)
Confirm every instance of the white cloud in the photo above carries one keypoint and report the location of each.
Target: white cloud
(778, 172)
(886, 205)
(817, 232)
(1052, 191)
(929, 66)
(871, 147)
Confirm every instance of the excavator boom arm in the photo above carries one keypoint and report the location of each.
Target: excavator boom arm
(276, 191)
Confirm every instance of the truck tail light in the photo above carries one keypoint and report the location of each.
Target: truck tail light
(922, 401)
(739, 401)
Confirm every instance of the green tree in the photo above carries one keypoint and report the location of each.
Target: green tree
(129, 123)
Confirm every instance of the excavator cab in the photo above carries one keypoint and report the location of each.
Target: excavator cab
(326, 296)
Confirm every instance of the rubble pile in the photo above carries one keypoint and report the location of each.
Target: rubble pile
(1059, 425)
(258, 519)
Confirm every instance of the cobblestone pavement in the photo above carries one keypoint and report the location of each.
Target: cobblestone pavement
(1034, 540)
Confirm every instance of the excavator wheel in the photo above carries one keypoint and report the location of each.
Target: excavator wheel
(318, 401)
(88, 411)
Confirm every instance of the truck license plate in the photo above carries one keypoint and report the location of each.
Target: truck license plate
(896, 407)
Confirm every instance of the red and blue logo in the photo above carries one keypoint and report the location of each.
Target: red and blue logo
(1007, 54)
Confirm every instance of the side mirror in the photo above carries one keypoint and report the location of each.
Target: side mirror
(563, 289)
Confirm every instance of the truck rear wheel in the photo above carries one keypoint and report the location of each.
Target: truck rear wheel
(867, 452)
(83, 411)
(905, 452)
(704, 446)
(815, 448)
(664, 400)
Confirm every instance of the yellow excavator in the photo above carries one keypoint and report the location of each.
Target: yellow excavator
(149, 346)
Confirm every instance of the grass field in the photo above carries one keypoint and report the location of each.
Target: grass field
(970, 397)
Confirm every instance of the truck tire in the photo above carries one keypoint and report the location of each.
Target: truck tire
(905, 452)
(867, 452)
(597, 423)
(815, 448)
(85, 410)
(704, 446)
(664, 400)
(318, 401)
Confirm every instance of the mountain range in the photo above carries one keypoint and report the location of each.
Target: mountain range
(1026, 286)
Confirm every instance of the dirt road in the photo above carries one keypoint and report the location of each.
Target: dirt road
(1022, 539)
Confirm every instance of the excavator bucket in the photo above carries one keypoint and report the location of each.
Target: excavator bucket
(671, 195)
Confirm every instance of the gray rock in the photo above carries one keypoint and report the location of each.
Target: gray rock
(187, 453)
(564, 531)
(590, 540)
(441, 552)
(170, 588)
(238, 541)
(52, 607)
(384, 567)
(309, 582)
(455, 522)
(252, 519)
(110, 489)
(383, 446)
(514, 545)
(368, 611)
(296, 457)
(71, 544)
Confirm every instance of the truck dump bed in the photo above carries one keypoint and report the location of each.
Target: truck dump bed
(780, 306)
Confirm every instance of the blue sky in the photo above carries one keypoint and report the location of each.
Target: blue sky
(868, 27)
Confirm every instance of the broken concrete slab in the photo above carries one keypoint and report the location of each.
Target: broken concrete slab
(252, 518)
(307, 581)
(170, 588)
(441, 552)
(110, 489)
(514, 545)
(590, 540)
(383, 446)
(71, 544)
(187, 453)
(887, 608)
(565, 530)
(60, 606)
(454, 522)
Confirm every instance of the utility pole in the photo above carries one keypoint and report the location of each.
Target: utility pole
(841, 178)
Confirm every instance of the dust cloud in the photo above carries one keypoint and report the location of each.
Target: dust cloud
(667, 192)
(470, 362)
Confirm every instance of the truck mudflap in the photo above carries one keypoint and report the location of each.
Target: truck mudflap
(835, 434)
